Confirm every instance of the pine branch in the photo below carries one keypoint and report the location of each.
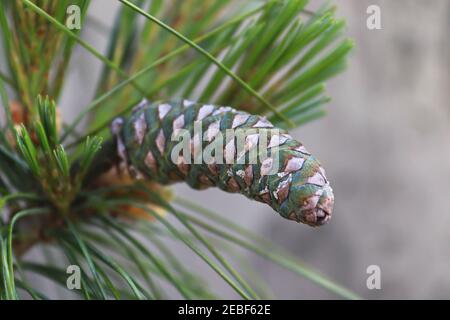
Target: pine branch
(269, 58)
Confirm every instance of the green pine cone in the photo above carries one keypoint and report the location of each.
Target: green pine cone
(282, 174)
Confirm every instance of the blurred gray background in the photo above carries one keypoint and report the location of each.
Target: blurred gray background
(385, 146)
